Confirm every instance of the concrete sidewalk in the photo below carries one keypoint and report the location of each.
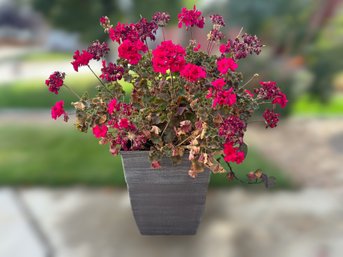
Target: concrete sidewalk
(82, 222)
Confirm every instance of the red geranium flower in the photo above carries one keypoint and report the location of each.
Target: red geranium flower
(233, 154)
(130, 51)
(57, 110)
(112, 105)
(55, 81)
(192, 72)
(218, 84)
(123, 123)
(191, 18)
(271, 118)
(81, 59)
(100, 131)
(225, 64)
(168, 56)
(281, 99)
(111, 71)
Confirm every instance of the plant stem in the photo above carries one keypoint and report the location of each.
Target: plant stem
(255, 121)
(239, 32)
(163, 33)
(165, 127)
(211, 48)
(150, 55)
(241, 180)
(265, 103)
(185, 140)
(254, 76)
(72, 91)
(99, 80)
(172, 85)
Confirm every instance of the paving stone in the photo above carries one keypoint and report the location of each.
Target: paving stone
(308, 149)
(17, 238)
(237, 223)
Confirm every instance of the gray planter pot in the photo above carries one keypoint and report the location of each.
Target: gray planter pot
(164, 201)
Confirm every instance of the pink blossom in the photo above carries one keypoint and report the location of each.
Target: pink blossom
(57, 110)
(196, 48)
(130, 51)
(104, 20)
(112, 105)
(233, 154)
(218, 84)
(225, 48)
(223, 97)
(248, 92)
(191, 18)
(123, 123)
(81, 59)
(168, 56)
(280, 99)
(155, 165)
(100, 131)
(224, 64)
(193, 73)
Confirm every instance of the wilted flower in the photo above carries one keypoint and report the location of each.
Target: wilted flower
(98, 50)
(161, 18)
(271, 118)
(111, 72)
(55, 81)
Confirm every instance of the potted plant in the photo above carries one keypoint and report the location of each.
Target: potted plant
(188, 111)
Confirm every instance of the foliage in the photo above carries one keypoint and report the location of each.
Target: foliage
(77, 16)
(82, 16)
(307, 106)
(324, 57)
(184, 100)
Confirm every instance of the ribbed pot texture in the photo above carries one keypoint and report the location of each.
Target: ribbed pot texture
(164, 201)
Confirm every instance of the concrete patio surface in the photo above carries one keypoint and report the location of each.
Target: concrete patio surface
(81, 222)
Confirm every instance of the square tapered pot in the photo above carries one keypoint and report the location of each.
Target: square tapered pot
(164, 201)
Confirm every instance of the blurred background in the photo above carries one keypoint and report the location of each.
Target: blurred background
(62, 194)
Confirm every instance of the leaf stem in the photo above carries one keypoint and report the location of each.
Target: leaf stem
(163, 33)
(165, 127)
(185, 140)
(254, 76)
(239, 32)
(241, 180)
(99, 80)
(72, 91)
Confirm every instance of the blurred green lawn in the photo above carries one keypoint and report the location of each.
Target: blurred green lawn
(47, 56)
(62, 156)
(35, 94)
(309, 107)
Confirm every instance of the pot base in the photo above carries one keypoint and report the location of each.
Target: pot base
(164, 201)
